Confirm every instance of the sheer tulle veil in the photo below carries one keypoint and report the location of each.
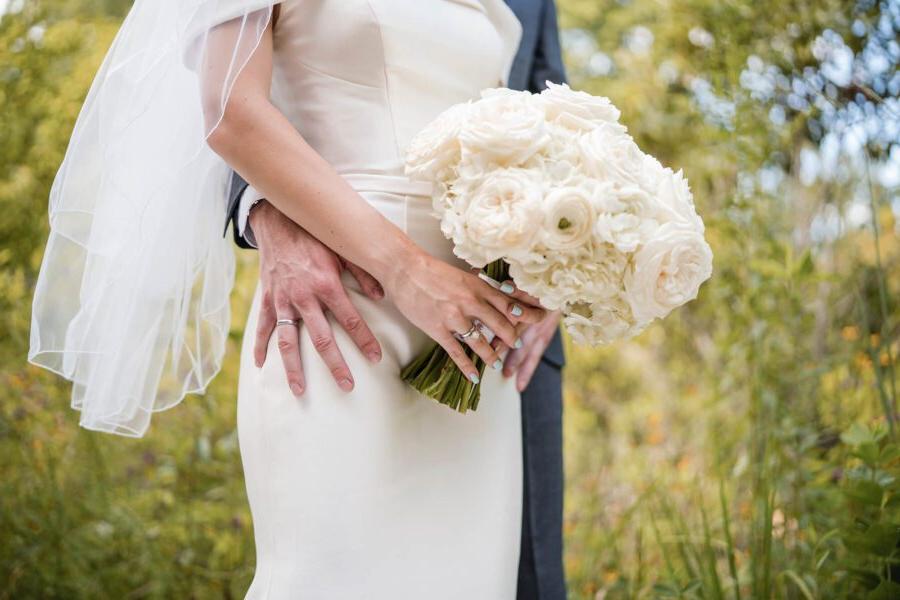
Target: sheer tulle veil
(131, 304)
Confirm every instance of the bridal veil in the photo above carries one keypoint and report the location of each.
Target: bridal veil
(132, 300)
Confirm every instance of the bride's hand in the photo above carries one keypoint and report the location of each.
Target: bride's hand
(441, 300)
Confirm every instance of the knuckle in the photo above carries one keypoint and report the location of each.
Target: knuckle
(298, 292)
(324, 285)
(285, 345)
(322, 343)
(352, 324)
(454, 313)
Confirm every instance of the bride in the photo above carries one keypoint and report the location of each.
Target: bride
(370, 493)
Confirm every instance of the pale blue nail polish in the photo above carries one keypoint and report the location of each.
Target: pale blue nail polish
(518, 344)
(474, 378)
(516, 310)
(498, 364)
(507, 288)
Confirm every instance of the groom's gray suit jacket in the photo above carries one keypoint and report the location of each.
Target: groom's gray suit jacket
(541, 575)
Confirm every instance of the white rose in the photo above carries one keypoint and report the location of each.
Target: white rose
(502, 216)
(667, 271)
(577, 110)
(435, 150)
(568, 217)
(503, 129)
(611, 155)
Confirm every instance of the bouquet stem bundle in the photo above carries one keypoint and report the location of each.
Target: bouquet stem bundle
(434, 374)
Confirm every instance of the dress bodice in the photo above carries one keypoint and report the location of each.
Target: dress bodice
(359, 78)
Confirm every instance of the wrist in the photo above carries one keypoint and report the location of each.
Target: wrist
(395, 260)
(261, 217)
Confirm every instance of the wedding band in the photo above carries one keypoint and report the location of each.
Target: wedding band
(474, 332)
(287, 322)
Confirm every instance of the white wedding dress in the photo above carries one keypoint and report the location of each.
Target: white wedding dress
(381, 493)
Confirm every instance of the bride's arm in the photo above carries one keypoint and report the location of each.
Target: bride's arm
(256, 139)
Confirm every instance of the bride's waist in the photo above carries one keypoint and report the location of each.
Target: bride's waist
(407, 204)
(385, 183)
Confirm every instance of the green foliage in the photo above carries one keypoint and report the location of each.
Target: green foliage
(745, 448)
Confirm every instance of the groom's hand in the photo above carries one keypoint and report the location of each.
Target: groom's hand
(523, 361)
(301, 279)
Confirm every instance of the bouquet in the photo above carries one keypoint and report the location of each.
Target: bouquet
(550, 190)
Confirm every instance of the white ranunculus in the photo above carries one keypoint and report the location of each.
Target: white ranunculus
(434, 151)
(611, 155)
(667, 271)
(502, 216)
(568, 217)
(503, 130)
(575, 109)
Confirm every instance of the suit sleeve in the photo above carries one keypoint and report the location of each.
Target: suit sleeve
(548, 64)
(238, 185)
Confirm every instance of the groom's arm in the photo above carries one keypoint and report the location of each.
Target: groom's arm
(548, 63)
(238, 206)
(542, 341)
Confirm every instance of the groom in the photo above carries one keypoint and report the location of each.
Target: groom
(298, 270)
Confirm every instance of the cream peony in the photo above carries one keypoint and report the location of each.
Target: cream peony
(502, 216)
(667, 271)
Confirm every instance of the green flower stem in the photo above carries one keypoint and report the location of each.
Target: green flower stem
(435, 375)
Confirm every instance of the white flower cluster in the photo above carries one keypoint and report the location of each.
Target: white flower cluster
(553, 184)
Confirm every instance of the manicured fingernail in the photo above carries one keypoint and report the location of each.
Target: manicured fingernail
(516, 310)
(374, 356)
(378, 291)
(296, 389)
(498, 364)
(518, 344)
(507, 288)
(474, 378)
(345, 384)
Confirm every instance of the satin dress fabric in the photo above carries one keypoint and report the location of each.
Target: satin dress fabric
(380, 493)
